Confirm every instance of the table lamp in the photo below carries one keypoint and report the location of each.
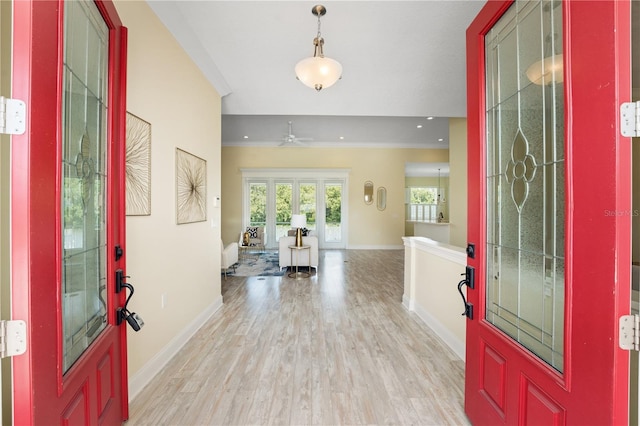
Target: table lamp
(298, 221)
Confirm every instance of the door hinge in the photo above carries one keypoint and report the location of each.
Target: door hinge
(629, 332)
(13, 114)
(630, 119)
(13, 338)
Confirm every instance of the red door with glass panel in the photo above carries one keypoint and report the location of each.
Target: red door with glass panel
(550, 178)
(68, 212)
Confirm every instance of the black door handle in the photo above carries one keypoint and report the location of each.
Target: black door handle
(469, 280)
(123, 314)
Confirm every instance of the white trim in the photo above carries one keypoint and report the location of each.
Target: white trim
(457, 346)
(260, 173)
(340, 144)
(408, 303)
(138, 381)
(445, 251)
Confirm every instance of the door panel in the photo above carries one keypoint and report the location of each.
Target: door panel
(75, 365)
(551, 264)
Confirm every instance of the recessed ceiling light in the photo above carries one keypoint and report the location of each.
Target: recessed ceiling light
(341, 137)
(440, 140)
(419, 126)
(429, 118)
(246, 137)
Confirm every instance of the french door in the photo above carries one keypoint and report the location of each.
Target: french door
(270, 202)
(550, 178)
(67, 212)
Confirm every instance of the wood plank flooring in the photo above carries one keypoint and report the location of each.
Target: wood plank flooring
(335, 348)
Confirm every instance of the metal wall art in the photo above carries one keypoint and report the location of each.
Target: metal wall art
(191, 188)
(138, 166)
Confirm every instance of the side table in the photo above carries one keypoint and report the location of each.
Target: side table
(244, 250)
(297, 249)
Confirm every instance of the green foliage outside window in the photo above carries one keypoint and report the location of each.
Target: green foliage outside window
(423, 195)
(308, 202)
(333, 200)
(284, 194)
(258, 204)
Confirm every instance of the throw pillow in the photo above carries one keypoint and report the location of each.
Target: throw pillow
(253, 232)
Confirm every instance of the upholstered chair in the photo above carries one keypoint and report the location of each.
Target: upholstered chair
(229, 257)
(256, 237)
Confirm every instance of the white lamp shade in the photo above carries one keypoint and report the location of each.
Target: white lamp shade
(318, 73)
(547, 71)
(298, 221)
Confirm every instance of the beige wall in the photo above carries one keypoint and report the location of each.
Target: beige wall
(368, 227)
(179, 262)
(458, 181)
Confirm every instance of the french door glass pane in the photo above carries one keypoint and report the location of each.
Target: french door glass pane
(84, 174)
(257, 204)
(525, 178)
(308, 203)
(284, 196)
(333, 213)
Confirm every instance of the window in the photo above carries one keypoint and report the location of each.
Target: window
(272, 196)
(423, 203)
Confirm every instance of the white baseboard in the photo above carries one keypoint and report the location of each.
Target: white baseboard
(457, 346)
(408, 303)
(138, 381)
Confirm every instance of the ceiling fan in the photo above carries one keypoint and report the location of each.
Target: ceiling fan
(291, 139)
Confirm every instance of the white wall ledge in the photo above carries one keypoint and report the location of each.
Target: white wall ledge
(447, 251)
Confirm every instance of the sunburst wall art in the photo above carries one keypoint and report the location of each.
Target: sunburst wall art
(191, 187)
(138, 166)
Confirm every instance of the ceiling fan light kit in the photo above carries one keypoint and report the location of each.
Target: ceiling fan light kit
(318, 72)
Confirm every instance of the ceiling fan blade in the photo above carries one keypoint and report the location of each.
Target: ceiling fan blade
(291, 139)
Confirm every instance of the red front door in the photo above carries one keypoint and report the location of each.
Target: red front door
(67, 213)
(550, 178)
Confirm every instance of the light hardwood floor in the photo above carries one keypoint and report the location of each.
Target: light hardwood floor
(335, 348)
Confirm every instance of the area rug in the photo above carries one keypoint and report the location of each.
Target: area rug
(258, 264)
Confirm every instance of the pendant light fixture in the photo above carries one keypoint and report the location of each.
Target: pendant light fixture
(318, 72)
(550, 69)
(547, 71)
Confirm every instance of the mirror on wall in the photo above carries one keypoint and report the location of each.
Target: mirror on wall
(381, 203)
(368, 192)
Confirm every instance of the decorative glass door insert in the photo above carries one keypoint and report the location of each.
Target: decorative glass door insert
(525, 170)
(83, 195)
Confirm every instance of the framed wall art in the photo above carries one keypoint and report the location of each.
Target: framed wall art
(191, 188)
(138, 166)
